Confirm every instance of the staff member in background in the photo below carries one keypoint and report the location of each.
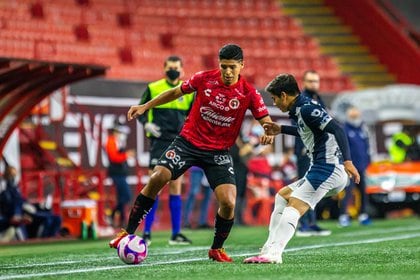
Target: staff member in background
(358, 138)
(118, 169)
(162, 124)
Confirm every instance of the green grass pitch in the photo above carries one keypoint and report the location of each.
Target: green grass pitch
(388, 249)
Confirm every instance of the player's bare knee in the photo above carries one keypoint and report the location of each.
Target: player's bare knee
(160, 177)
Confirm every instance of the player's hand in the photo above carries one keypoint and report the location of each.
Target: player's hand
(352, 171)
(135, 111)
(267, 139)
(271, 128)
(153, 129)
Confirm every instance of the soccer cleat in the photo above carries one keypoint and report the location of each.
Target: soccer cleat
(313, 230)
(344, 220)
(364, 219)
(120, 235)
(263, 259)
(318, 231)
(219, 255)
(179, 239)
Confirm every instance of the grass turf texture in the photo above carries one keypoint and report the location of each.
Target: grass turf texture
(389, 249)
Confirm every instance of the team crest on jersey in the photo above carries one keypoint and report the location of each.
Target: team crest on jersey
(234, 103)
(222, 159)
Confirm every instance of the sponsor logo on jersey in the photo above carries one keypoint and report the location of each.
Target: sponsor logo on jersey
(211, 116)
(175, 160)
(220, 98)
(219, 106)
(262, 108)
(207, 92)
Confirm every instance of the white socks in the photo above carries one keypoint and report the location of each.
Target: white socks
(285, 230)
(279, 204)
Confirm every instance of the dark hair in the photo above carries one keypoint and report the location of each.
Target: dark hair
(231, 51)
(172, 58)
(283, 82)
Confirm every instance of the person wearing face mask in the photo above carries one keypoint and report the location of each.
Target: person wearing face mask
(358, 138)
(222, 98)
(308, 224)
(162, 124)
(118, 169)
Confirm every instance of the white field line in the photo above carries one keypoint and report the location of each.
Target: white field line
(94, 269)
(182, 250)
(101, 257)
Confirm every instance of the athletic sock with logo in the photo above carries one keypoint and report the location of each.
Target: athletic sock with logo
(140, 209)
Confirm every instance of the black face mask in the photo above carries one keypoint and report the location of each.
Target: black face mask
(172, 74)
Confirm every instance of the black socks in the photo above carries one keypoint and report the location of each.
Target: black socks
(140, 209)
(221, 231)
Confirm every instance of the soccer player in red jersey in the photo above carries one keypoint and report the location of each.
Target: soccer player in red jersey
(211, 128)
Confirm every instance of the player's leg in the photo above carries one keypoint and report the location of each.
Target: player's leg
(175, 206)
(225, 195)
(144, 202)
(221, 177)
(280, 202)
(150, 218)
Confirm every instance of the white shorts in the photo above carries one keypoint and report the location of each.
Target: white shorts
(320, 181)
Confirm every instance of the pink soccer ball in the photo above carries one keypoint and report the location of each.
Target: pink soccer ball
(132, 249)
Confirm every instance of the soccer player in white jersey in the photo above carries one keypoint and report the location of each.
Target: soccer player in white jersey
(330, 161)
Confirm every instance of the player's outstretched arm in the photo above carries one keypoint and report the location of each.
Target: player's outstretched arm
(165, 97)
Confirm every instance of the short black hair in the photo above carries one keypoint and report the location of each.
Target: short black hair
(231, 51)
(283, 82)
(172, 58)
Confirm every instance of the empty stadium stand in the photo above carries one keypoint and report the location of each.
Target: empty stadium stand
(133, 37)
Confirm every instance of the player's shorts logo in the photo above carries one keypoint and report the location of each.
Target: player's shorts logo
(222, 159)
(170, 154)
(234, 103)
(175, 160)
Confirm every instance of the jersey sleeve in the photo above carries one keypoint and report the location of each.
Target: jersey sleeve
(192, 83)
(315, 116)
(258, 108)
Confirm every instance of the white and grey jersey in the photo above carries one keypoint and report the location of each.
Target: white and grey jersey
(311, 119)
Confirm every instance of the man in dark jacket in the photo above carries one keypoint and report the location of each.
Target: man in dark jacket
(358, 138)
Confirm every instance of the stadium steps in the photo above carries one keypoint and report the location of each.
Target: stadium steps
(40, 153)
(338, 40)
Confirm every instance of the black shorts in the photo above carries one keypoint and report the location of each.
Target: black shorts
(157, 147)
(181, 155)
